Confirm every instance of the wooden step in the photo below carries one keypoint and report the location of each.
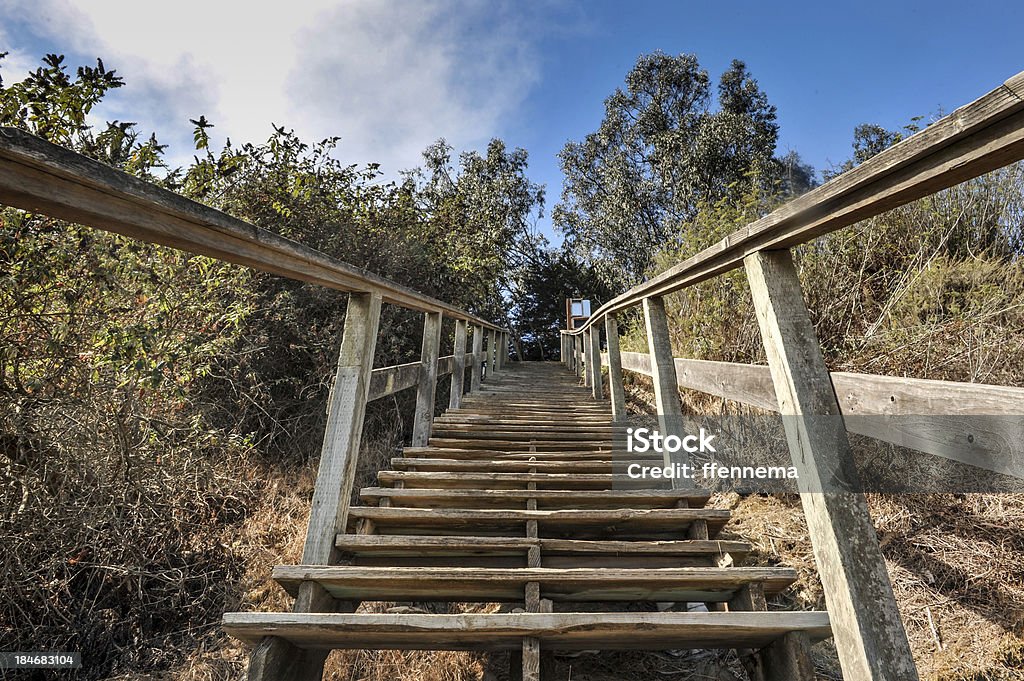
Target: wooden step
(521, 446)
(523, 466)
(435, 479)
(555, 631)
(501, 455)
(567, 427)
(545, 498)
(488, 405)
(513, 417)
(374, 549)
(538, 434)
(492, 585)
(581, 524)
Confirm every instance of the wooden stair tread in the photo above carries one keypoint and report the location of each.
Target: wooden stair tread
(466, 584)
(479, 479)
(501, 455)
(556, 631)
(622, 522)
(395, 545)
(515, 498)
(520, 445)
(523, 466)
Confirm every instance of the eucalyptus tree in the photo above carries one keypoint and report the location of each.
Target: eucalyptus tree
(661, 151)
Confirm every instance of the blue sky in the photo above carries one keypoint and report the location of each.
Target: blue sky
(390, 77)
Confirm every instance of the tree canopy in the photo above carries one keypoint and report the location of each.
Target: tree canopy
(661, 152)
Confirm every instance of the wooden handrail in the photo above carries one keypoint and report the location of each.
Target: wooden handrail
(976, 138)
(38, 176)
(979, 137)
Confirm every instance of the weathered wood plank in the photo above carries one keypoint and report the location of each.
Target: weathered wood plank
(489, 361)
(583, 523)
(556, 631)
(427, 385)
(596, 388)
(663, 374)
(343, 434)
(546, 498)
(478, 359)
(467, 584)
(917, 412)
(397, 545)
(789, 658)
(390, 380)
(577, 345)
(588, 360)
(870, 638)
(458, 385)
(481, 479)
(614, 360)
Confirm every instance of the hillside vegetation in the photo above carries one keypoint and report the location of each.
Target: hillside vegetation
(161, 413)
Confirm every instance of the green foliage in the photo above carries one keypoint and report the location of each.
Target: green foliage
(932, 289)
(660, 153)
(483, 219)
(538, 299)
(140, 387)
(714, 319)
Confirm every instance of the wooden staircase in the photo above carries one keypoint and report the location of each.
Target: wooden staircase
(515, 500)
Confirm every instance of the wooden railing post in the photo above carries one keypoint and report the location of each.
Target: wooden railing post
(577, 353)
(346, 409)
(274, 659)
(489, 360)
(564, 354)
(427, 388)
(594, 367)
(458, 365)
(618, 393)
(501, 352)
(588, 359)
(663, 374)
(869, 634)
(478, 358)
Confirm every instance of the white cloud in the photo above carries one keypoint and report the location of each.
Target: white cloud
(389, 78)
(18, 61)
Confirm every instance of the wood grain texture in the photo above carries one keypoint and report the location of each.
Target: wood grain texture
(492, 343)
(870, 638)
(555, 631)
(458, 384)
(343, 434)
(478, 359)
(614, 361)
(395, 545)
(977, 424)
(621, 524)
(426, 389)
(469, 584)
(596, 388)
(545, 498)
